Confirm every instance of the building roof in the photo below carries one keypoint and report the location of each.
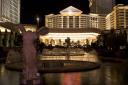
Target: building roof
(71, 11)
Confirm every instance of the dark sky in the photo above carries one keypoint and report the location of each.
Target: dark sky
(31, 8)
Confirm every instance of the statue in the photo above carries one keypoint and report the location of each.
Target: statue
(30, 70)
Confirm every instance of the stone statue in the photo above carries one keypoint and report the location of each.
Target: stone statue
(30, 71)
(30, 75)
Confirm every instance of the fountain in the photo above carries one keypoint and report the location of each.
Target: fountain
(66, 64)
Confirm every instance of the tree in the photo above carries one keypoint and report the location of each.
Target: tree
(0, 38)
(67, 41)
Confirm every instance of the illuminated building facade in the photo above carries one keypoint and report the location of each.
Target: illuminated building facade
(73, 24)
(10, 11)
(101, 6)
(118, 18)
(72, 17)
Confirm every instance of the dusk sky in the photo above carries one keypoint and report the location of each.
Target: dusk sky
(31, 8)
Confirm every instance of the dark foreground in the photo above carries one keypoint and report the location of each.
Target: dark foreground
(107, 74)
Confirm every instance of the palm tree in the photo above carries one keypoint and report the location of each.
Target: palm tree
(60, 42)
(0, 38)
(67, 41)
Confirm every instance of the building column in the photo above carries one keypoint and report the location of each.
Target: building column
(74, 22)
(67, 21)
(62, 22)
(6, 38)
(12, 38)
(79, 21)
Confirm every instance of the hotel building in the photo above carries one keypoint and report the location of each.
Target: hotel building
(118, 18)
(72, 17)
(73, 24)
(101, 6)
(10, 11)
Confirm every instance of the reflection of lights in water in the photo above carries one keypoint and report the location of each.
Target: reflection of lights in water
(70, 79)
(111, 76)
(91, 58)
(108, 76)
(86, 57)
(2, 70)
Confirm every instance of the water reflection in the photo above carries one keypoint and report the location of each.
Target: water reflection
(2, 70)
(8, 77)
(108, 74)
(90, 56)
(51, 79)
(70, 79)
(112, 74)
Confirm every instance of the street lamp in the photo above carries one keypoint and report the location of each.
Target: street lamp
(38, 20)
(37, 29)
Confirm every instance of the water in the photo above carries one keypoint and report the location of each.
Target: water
(8, 77)
(108, 74)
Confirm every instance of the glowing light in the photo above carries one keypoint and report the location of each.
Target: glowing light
(86, 57)
(90, 3)
(73, 36)
(70, 12)
(2, 71)
(2, 29)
